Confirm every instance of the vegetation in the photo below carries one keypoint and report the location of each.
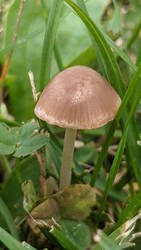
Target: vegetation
(101, 209)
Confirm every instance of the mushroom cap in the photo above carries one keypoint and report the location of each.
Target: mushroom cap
(78, 98)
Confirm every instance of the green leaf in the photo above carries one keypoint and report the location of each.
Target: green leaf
(10, 242)
(86, 57)
(72, 235)
(8, 218)
(23, 140)
(21, 99)
(60, 237)
(30, 145)
(7, 140)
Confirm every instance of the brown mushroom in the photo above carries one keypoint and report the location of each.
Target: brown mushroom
(76, 98)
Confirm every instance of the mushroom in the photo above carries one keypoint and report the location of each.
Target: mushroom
(76, 98)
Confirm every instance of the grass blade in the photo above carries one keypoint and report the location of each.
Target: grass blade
(8, 218)
(49, 43)
(134, 36)
(58, 57)
(10, 242)
(108, 243)
(117, 159)
(129, 93)
(119, 52)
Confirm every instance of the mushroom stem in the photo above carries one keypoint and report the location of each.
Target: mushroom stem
(66, 168)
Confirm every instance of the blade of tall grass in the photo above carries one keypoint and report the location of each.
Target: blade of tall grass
(138, 60)
(48, 44)
(129, 93)
(10, 242)
(10, 122)
(82, 5)
(8, 218)
(112, 73)
(63, 240)
(119, 52)
(134, 36)
(58, 57)
(118, 156)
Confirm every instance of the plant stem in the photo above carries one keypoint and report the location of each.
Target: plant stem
(65, 175)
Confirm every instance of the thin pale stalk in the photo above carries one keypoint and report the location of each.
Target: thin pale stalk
(66, 168)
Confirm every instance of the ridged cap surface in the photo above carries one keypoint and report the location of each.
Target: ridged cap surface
(78, 98)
